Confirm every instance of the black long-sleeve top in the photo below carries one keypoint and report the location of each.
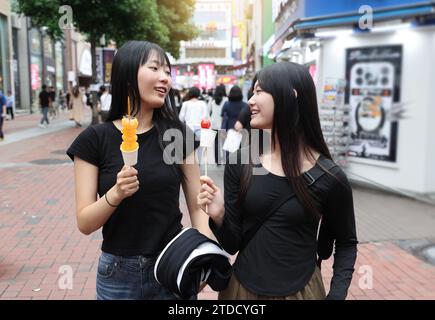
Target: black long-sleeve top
(281, 257)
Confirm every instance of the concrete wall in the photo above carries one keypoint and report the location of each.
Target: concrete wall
(5, 9)
(414, 170)
(23, 58)
(430, 121)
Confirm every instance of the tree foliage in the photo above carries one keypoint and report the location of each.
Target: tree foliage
(165, 22)
(176, 17)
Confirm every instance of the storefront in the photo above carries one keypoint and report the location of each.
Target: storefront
(389, 69)
(5, 75)
(104, 61)
(35, 65)
(59, 62)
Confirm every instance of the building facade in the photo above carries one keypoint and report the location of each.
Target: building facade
(6, 53)
(385, 54)
(204, 58)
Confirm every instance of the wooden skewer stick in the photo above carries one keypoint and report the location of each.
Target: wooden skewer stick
(128, 106)
(206, 161)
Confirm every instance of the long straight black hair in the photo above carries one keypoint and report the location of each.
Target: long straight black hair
(126, 63)
(296, 124)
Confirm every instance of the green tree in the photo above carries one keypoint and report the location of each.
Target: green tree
(120, 20)
(165, 22)
(176, 16)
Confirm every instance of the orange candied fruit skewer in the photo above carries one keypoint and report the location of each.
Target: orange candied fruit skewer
(129, 136)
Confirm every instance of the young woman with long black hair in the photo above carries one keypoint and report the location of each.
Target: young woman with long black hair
(277, 252)
(138, 207)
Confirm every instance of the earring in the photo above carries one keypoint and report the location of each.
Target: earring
(296, 93)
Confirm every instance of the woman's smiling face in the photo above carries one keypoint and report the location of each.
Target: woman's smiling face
(154, 81)
(262, 108)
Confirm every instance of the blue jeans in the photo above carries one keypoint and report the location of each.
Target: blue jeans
(129, 278)
(44, 115)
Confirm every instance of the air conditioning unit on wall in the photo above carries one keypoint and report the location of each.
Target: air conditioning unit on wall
(15, 21)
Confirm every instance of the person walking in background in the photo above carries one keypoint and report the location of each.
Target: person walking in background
(2, 114)
(193, 111)
(78, 103)
(61, 100)
(184, 95)
(209, 96)
(44, 102)
(231, 110)
(10, 102)
(68, 100)
(244, 122)
(215, 110)
(52, 105)
(178, 101)
(105, 103)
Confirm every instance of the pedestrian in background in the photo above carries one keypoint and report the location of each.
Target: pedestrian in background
(52, 105)
(178, 100)
(10, 102)
(215, 110)
(105, 102)
(78, 100)
(44, 103)
(231, 110)
(61, 100)
(2, 114)
(184, 95)
(272, 219)
(192, 112)
(138, 207)
(244, 122)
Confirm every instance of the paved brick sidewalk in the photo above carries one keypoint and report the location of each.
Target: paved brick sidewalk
(39, 235)
(28, 121)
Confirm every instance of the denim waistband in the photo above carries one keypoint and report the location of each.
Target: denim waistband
(129, 258)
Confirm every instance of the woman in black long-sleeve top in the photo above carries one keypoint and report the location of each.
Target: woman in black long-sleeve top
(279, 260)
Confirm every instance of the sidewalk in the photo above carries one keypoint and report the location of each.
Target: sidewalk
(40, 237)
(25, 121)
(26, 126)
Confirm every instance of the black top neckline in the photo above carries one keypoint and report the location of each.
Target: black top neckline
(143, 134)
(144, 222)
(284, 177)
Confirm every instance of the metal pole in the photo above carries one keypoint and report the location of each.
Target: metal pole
(29, 63)
(43, 56)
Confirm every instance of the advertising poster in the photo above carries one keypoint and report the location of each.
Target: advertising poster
(373, 79)
(108, 55)
(35, 79)
(206, 76)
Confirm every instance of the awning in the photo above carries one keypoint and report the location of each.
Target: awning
(379, 15)
(351, 18)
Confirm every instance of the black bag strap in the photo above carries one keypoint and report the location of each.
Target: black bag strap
(310, 178)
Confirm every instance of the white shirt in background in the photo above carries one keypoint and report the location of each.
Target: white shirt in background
(216, 110)
(192, 112)
(106, 101)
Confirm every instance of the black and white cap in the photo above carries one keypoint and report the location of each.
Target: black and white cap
(190, 259)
